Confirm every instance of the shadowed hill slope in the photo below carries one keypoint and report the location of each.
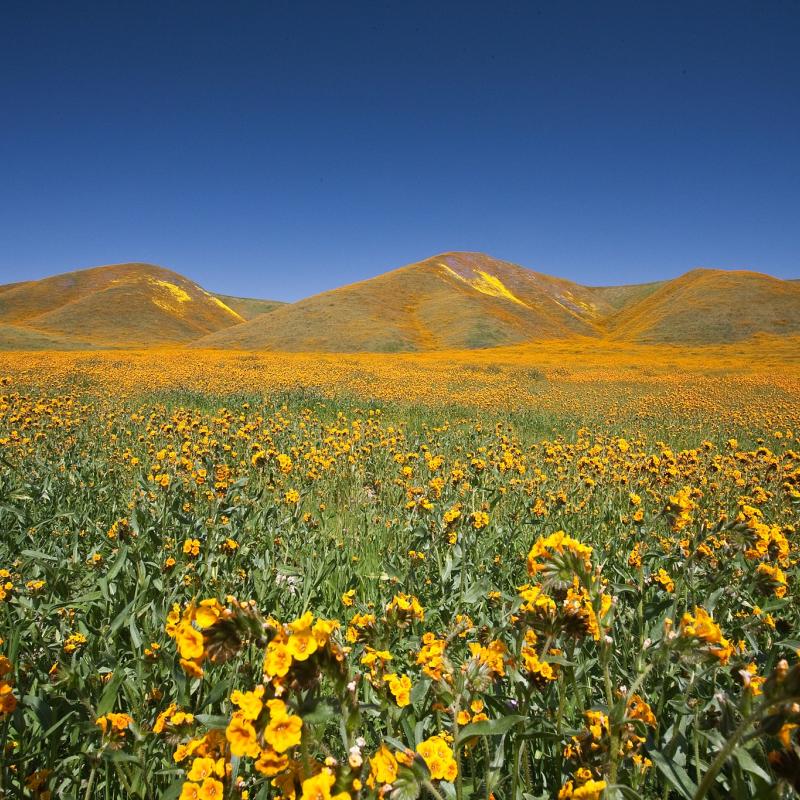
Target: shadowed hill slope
(616, 298)
(248, 307)
(449, 301)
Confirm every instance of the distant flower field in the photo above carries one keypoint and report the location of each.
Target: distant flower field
(510, 575)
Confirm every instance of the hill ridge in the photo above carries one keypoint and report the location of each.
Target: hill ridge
(495, 302)
(452, 300)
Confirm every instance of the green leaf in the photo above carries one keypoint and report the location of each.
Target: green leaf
(419, 690)
(109, 695)
(405, 786)
(219, 691)
(118, 756)
(121, 617)
(90, 597)
(136, 638)
(212, 720)
(118, 564)
(396, 743)
(490, 727)
(677, 776)
(36, 554)
(477, 591)
(41, 707)
(619, 789)
(321, 712)
(747, 763)
(173, 791)
(58, 724)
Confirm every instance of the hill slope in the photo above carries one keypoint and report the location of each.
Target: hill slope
(471, 300)
(453, 300)
(708, 306)
(449, 301)
(248, 307)
(119, 305)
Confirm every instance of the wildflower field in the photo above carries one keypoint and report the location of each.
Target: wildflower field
(494, 575)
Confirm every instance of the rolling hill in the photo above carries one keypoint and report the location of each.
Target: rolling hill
(124, 305)
(710, 306)
(471, 300)
(449, 301)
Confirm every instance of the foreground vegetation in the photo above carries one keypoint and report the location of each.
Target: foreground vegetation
(216, 595)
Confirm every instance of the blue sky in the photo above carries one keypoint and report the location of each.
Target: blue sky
(277, 149)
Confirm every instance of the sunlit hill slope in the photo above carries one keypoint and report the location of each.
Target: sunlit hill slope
(449, 301)
(471, 300)
(119, 305)
(712, 306)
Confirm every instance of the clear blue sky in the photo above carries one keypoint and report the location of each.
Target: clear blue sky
(277, 149)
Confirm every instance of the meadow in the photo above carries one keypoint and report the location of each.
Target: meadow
(562, 571)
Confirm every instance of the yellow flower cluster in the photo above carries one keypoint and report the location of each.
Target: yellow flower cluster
(438, 757)
(700, 626)
(8, 702)
(114, 724)
(549, 552)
